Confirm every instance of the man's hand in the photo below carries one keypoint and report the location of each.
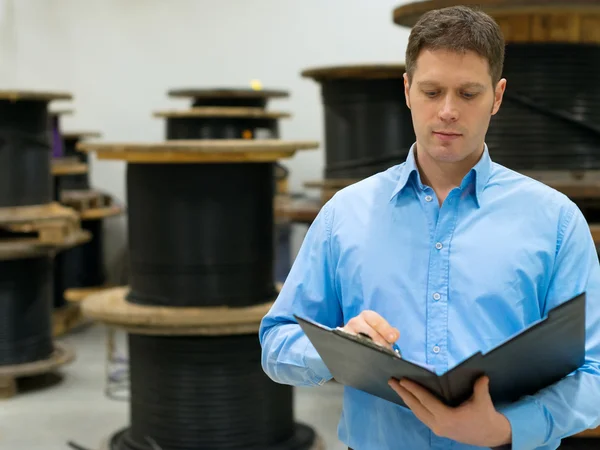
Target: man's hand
(475, 422)
(375, 326)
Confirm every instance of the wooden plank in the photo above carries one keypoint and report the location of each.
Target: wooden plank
(16, 95)
(110, 306)
(8, 387)
(67, 319)
(38, 213)
(362, 71)
(215, 111)
(176, 158)
(73, 168)
(200, 93)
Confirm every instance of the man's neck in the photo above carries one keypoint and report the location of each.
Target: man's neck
(443, 177)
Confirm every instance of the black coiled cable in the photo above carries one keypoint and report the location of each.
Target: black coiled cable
(368, 126)
(81, 266)
(201, 234)
(25, 310)
(196, 393)
(549, 118)
(25, 153)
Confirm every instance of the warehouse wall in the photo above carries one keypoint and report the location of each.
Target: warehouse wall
(119, 57)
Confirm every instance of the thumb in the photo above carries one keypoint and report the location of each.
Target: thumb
(482, 389)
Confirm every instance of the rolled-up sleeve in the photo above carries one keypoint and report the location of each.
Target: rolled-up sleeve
(288, 357)
(571, 405)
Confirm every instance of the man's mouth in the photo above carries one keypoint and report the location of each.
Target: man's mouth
(446, 135)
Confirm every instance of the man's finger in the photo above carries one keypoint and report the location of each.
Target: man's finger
(428, 400)
(363, 327)
(379, 324)
(422, 413)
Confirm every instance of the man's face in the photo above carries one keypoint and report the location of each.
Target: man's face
(452, 99)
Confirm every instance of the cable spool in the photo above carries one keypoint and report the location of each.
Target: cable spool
(32, 230)
(206, 387)
(181, 313)
(368, 126)
(25, 148)
(224, 114)
(69, 142)
(234, 114)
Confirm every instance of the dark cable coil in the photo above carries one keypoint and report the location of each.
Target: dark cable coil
(201, 234)
(368, 126)
(81, 266)
(549, 118)
(25, 153)
(196, 393)
(25, 310)
(221, 128)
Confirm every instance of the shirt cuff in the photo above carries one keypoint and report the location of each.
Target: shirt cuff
(528, 424)
(314, 362)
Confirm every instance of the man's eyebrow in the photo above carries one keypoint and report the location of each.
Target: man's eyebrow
(472, 84)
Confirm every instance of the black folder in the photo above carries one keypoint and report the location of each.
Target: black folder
(536, 357)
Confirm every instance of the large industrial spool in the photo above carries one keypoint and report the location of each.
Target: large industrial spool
(548, 126)
(228, 113)
(200, 284)
(368, 126)
(224, 114)
(32, 230)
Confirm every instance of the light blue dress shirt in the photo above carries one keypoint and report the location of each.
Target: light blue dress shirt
(499, 253)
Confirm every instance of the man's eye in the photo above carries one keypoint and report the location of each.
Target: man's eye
(469, 95)
(430, 93)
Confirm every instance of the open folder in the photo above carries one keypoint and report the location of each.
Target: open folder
(532, 359)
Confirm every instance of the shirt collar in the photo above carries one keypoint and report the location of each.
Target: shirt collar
(477, 176)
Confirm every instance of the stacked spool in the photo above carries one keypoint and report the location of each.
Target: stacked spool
(548, 125)
(367, 124)
(33, 229)
(200, 235)
(81, 270)
(229, 113)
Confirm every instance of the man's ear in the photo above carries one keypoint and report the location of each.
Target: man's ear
(407, 90)
(498, 95)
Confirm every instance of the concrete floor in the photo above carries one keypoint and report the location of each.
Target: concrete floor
(76, 409)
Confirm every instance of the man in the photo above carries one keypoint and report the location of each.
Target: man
(446, 254)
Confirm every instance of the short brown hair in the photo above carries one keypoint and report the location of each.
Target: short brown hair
(459, 29)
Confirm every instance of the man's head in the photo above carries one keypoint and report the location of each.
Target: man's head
(453, 84)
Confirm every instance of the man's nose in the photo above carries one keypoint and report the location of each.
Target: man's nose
(448, 111)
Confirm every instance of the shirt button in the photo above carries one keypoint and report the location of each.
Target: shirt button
(436, 296)
(428, 198)
(439, 245)
(436, 349)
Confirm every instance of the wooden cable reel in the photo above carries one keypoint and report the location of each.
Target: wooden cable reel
(367, 127)
(32, 230)
(547, 126)
(200, 282)
(224, 114)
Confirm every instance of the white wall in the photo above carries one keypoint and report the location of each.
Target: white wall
(119, 57)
